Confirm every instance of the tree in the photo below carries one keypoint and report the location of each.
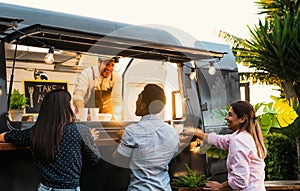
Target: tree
(273, 47)
(273, 50)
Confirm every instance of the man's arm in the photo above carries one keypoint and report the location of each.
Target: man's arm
(81, 88)
(78, 104)
(121, 160)
(122, 154)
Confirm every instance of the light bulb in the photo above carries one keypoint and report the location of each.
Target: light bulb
(49, 58)
(212, 69)
(193, 74)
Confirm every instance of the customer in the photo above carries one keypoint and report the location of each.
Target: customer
(149, 145)
(246, 149)
(58, 144)
(94, 86)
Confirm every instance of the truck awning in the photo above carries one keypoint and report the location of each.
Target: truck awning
(7, 23)
(39, 35)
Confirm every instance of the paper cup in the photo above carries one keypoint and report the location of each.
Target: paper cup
(83, 114)
(94, 114)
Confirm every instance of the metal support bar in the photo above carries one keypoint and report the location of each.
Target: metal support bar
(3, 85)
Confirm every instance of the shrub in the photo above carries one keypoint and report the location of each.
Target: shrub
(281, 160)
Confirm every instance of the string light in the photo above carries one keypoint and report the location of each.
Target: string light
(193, 74)
(49, 58)
(212, 69)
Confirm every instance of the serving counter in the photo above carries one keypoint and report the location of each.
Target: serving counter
(11, 147)
(17, 172)
(109, 132)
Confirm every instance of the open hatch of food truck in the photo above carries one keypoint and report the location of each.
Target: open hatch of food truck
(197, 78)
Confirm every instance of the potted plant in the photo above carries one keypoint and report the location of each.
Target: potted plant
(18, 102)
(189, 182)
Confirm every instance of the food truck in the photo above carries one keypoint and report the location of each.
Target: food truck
(198, 77)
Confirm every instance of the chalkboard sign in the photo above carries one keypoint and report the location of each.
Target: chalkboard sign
(35, 90)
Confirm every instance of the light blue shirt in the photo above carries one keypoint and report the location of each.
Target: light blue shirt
(151, 144)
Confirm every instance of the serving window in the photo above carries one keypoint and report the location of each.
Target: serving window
(132, 80)
(131, 76)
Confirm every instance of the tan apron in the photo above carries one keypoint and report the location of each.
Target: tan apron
(100, 99)
(103, 100)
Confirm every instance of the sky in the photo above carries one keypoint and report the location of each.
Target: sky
(198, 18)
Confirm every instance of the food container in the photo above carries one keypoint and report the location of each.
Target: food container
(104, 116)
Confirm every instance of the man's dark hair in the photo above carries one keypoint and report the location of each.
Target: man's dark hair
(154, 98)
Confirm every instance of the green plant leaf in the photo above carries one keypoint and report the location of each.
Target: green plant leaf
(285, 114)
(214, 152)
(265, 123)
(220, 113)
(17, 100)
(190, 180)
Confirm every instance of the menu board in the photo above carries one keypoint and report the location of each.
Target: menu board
(35, 90)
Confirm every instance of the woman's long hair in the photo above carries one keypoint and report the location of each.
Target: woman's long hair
(55, 113)
(251, 125)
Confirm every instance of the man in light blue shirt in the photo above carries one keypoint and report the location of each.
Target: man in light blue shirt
(149, 145)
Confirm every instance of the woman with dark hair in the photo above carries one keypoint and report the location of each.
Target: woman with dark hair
(58, 144)
(246, 149)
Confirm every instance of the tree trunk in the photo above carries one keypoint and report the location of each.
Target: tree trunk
(289, 90)
(290, 93)
(298, 153)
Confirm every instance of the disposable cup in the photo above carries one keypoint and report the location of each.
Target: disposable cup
(83, 114)
(94, 114)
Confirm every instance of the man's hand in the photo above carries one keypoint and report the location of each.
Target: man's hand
(94, 133)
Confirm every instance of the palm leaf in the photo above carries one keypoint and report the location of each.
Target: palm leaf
(274, 44)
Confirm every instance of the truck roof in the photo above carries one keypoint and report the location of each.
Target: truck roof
(44, 28)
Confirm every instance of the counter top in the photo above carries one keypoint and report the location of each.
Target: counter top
(99, 143)
(10, 147)
(109, 133)
(282, 185)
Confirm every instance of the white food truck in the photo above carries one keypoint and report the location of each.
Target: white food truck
(197, 77)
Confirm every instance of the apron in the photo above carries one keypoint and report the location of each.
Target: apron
(103, 100)
(100, 99)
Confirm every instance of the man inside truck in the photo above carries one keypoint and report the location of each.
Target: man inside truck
(94, 86)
